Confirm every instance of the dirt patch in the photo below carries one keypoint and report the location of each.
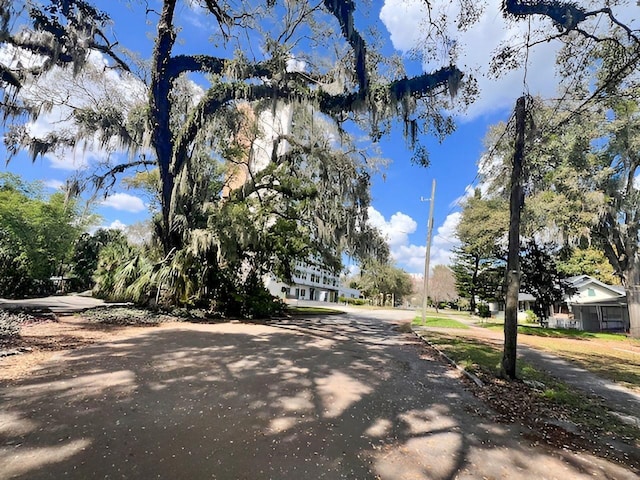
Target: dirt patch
(508, 402)
(515, 402)
(41, 339)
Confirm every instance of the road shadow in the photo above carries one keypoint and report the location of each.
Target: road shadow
(329, 397)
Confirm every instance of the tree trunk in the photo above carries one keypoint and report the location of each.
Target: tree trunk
(633, 304)
(632, 289)
(513, 260)
(474, 283)
(160, 111)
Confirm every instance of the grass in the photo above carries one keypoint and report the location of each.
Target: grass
(615, 360)
(474, 356)
(612, 356)
(295, 310)
(560, 332)
(484, 359)
(439, 322)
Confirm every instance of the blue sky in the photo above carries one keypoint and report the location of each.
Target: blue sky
(397, 193)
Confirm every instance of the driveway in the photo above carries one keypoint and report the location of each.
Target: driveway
(344, 396)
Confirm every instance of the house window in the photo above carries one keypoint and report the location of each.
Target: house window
(303, 293)
(591, 292)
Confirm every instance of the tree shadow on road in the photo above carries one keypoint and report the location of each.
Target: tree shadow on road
(302, 399)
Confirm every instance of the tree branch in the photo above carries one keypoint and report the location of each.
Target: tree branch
(564, 14)
(343, 10)
(100, 181)
(222, 94)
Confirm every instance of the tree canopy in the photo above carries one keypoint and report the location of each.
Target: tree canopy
(248, 143)
(37, 235)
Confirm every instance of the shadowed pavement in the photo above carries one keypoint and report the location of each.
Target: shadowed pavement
(343, 396)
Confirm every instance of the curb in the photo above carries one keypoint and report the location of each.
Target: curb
(449, 360)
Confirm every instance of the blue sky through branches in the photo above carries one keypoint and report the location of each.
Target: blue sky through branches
(397, 207)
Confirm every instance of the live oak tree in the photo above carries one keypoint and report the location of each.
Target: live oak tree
(600, 185)
(381, 279)
(587, 261)
(191, 132)
(593, 40)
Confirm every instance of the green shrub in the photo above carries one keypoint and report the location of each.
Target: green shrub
(531, 317)
(483, 311)
(351, 301)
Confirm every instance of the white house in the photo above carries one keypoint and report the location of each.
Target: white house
(593, 306)
(525, 302)
(589, 290)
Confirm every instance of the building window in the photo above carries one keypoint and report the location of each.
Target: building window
(303, 293)
(591, 292)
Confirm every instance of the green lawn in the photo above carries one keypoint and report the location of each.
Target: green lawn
(438, 322)
(560, 332)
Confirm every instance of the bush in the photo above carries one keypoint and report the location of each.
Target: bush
(351, 301)
(483, 311)
(531, 317)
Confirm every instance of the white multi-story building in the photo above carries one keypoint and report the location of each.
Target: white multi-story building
(310, 282)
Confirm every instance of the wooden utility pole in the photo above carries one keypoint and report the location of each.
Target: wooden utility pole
(516, 202)
(428, 254)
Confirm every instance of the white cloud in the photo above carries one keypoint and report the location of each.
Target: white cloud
(69, 159)
(403, 19)
(396, 230)
(125, 202)
(295, 65)
(116, 225)
(54, 184)
(445, 240)
(406, 20)
(410, 256)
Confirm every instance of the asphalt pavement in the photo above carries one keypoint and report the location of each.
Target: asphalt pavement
(344, 396)
(56, 304)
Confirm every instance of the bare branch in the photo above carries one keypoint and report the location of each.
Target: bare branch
(108, 179)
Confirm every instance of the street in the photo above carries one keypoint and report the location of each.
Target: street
(344, 396)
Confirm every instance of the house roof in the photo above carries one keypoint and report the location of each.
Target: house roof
(526, 297)
(580, 281)
(607, 302)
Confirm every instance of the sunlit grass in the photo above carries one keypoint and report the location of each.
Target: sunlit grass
(615, 357)
(439, 322)
(560, 332)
